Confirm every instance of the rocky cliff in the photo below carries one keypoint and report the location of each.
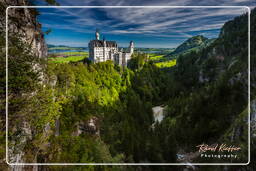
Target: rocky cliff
(23, 22)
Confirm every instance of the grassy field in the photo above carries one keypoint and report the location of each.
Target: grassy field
(166, 64)
(67, 57)
(161, 61)
(155, 57)
(75, 53)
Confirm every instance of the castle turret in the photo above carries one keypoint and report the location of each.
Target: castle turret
(104, 42)
(97, 35)
(104, 48)
(131, 47)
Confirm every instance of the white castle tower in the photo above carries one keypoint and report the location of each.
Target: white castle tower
(131, 47)
(105, 50)
(97, 35)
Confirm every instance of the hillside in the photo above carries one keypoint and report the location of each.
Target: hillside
(214, 86)
(193, 43)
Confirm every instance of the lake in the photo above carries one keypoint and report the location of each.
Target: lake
(153, 51)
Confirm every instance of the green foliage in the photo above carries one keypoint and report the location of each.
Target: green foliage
(202, 106)
(187, 71)
(155, 57)
(66, 57)
(29, 102)
(48, 31)
(22, 77)
(81, 149)
(166, 64)
(192, 44)
(137, 61)
(162, 61)
(122, 99)
(2, 101)
(78, 53)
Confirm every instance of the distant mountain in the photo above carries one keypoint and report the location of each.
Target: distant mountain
(193, 43)
(227, 53)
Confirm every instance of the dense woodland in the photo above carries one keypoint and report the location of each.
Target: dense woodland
(206, 94)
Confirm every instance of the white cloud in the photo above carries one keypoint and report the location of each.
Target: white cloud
(161, 23)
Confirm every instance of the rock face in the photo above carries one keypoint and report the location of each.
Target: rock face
(253, 118)
(91, 126)
(158, 113)
(22, 21)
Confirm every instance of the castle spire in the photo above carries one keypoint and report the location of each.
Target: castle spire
(97, 34)
(131, 47)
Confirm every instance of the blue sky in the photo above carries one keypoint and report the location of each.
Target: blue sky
(147, 27)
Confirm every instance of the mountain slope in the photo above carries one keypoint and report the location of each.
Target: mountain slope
(192, 43)
(213, 85)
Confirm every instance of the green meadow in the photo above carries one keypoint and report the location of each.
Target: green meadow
(166, 64)
(161, 61)
(156, 57)
(67, 57)
(75, 53)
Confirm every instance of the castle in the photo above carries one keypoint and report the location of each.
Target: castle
(102, 50)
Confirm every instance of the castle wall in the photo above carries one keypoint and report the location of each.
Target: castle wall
(125, 58)
(100, 54)
(99, 51)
